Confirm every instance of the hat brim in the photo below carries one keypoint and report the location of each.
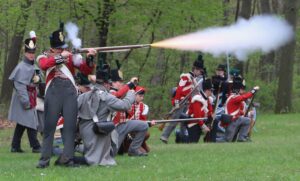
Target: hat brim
(30, 51)
(62, 46)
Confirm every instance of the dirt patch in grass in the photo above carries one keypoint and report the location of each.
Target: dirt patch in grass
(4, 123)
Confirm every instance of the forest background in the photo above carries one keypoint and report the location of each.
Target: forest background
(125, 22)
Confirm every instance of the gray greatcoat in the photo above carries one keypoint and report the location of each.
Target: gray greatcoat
(22, 77)
(100, 103)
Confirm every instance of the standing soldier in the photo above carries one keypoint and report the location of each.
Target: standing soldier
(185, 86)
(22, 108)
(61, 96)
(235, 106)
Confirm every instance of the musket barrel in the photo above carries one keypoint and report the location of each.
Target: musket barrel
(113, 48)
(177, 120)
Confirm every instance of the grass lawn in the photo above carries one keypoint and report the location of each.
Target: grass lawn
(274, 154)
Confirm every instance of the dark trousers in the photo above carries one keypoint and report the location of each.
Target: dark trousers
(60, 100)
(212, 135)
(169, 128)
(32, 136)
(194, 133)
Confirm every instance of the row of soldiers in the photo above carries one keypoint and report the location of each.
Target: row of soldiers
(96, 108)
(102, 109)
(221, 99)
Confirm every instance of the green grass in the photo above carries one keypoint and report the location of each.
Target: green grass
(274, 154)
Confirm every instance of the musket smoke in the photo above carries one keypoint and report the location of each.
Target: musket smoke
(263, 33)
(72, 34)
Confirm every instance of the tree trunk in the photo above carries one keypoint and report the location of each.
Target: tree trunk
(14, 52)
(226, 12)
(103, 25)
(266, 64)
(287, 56)
(244, 13)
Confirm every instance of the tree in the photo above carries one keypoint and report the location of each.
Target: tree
(266, 64)
(245, 13)
(15, 48)
(287, 56)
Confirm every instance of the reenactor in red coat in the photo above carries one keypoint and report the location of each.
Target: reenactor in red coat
(139, 111)
(185, 86)
(236, 106)
(200, 107)
(61, 96)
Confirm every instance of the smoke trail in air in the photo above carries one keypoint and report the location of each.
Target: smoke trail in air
(260, 33)
(72, 33)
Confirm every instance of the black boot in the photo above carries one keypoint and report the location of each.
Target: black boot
(66, 162)
(43, 163)
(16, 150)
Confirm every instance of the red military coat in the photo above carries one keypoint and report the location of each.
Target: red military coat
(199, 108)
(185, 86)
(138, 111)
(47, 61)
(120, 117)
(235, 104)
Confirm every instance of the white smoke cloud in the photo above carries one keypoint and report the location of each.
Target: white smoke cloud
(263, 33)
(72, 33)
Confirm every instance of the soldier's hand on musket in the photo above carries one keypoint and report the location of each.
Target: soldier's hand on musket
(135, 80)
(92, 78)
(65, 54)
(90, 56)
(63, 57)
(255, 89)
(204, 128)
(176, 106)
(36, 79)
(151, 123)
(91, 52)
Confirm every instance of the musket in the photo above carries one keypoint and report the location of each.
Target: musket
(250, 105)
(228, 66)
(207, 137)
(111, 48)
(176, 120)
(185, 99)
(246, 114)
(181, 103)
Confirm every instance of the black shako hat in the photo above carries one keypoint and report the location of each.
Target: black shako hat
(82, 79)
(199, 63)
(103, 74)
(238, 83)
(206, 84)
(30, 43)
(116, 75)
(57, 38)
(221, 67)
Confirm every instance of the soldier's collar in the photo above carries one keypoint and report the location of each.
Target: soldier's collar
(26, 60)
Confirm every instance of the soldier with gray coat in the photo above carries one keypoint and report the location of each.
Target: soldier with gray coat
(98, 105)
(22, 108)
